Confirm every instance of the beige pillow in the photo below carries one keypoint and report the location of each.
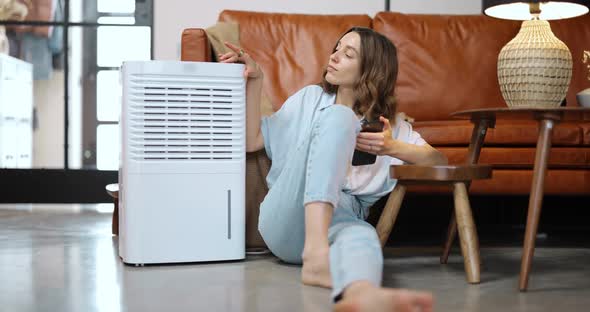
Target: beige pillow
(230, 32)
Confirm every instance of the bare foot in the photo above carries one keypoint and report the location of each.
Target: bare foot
(362, 296)
(316, 268)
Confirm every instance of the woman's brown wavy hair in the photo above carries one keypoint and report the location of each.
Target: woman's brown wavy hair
(374, 89)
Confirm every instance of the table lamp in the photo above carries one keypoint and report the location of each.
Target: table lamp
(535, 67)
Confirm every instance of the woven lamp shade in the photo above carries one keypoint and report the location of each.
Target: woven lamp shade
(535, 67)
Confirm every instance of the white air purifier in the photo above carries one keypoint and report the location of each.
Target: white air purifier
(182, 167)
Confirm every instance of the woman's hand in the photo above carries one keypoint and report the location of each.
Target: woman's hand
(238, 55)
(254, 81)
(378, 143)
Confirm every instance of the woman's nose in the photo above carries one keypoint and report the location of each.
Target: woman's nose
(334, 57)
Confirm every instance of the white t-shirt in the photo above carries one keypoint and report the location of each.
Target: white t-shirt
(288, 129)
(370, 179)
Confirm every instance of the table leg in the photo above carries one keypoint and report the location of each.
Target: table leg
(451, 233)
(480, 128)
(535, 199)
(467, 233)
(115, 220)
(390, 212)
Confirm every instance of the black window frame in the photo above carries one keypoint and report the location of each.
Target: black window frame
(70, 185)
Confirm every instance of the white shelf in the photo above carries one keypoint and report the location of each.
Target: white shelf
(16, 113)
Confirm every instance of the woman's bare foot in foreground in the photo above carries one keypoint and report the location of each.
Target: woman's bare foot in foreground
(362, 296)
(316, 268)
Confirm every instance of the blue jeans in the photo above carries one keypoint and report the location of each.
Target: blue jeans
(317, 172)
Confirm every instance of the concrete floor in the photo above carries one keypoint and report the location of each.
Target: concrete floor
(63, 258)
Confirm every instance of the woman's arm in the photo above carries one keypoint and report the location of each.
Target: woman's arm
(416, 154)
(382, 143)
(254, 79)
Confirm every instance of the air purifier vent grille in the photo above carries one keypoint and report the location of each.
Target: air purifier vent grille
(185, 118)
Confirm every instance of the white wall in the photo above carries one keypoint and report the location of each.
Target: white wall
(172, 16)
(48, 139)
(436, 6)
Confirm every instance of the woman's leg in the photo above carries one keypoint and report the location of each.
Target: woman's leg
(355, 251)
(362, 296)
(309, 186)
(356, 265)
(316, 250)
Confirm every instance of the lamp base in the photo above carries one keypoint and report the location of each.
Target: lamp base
(534, 68)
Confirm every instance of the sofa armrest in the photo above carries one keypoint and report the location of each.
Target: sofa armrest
(195, 46)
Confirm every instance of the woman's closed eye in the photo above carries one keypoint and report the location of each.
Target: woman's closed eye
(346, 53)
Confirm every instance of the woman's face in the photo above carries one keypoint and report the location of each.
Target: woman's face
(344, 64)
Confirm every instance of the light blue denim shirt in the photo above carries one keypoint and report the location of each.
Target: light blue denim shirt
(285, 131)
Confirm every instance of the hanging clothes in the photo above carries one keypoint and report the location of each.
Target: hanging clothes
(37, 44)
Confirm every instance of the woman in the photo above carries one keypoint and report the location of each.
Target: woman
(317, 201)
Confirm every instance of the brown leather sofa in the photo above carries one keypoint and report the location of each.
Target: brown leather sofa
(446, 63)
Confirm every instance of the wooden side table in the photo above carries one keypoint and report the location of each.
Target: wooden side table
(547, 118)
(445, 174)
(457, 176)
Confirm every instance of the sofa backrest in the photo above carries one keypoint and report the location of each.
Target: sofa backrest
(575, 33)
(448, 62)
(292, 49)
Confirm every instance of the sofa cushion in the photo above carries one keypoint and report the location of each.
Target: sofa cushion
(522, 157)
(585, 126)
(292, 49)
(506, 133)
(449, 63)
